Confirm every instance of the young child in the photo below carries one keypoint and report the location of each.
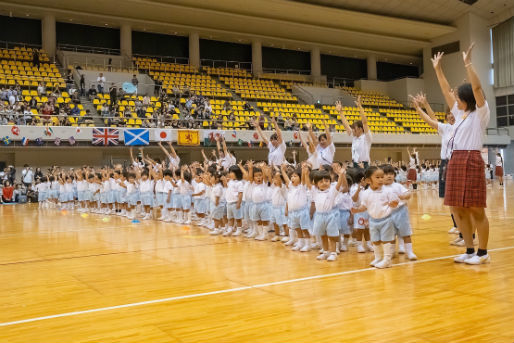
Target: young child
(185, 190)
(42, 191)
(234, 198)
(345, 203)
(132, 194)
(278, 206)
(379, 203)
(297, 208)
(82, 191)
(105, 194)
(199, 195)
(326, 217)
(218, 202)
(146, 189)
(261, 196)
(400, 214)
(361, 219)
(160, 195)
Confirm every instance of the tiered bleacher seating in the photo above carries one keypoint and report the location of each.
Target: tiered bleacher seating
(231, 72)
(129, 102)
(409, 119)
(15, 68)
(199, 84)
(376, 122)
(147, 63)
(289, 84)
(372, 98)
(249, 89)
(242, 117)
(303, 113)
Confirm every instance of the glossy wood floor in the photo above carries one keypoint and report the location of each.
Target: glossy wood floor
(55, 266)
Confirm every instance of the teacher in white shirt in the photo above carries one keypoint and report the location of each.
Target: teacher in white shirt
(360, 133)
(275, 144)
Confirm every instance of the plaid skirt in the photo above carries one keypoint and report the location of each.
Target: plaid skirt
(465, 180)
(412, 175)
(498, 171)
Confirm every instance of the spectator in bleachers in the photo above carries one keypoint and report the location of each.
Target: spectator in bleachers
(109, 66)
(69, 80)
(41, 89)
(146, 101)
(226, 106)
(35, 58)
(75, 98)
(12, 96)
(82, 85)
(135, 81)
(113, 95)
(176, 92)
(91, 93)
(100, 83)
(33, 103)
(104, 111)
(288, 124)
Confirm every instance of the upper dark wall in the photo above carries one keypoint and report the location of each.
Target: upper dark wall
(216, 50)
(285, 59)
(85, 35)
(20, 30)
(155, 44)
(391, 71)
(350, 68)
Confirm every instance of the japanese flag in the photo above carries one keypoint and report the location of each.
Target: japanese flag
(162, 135)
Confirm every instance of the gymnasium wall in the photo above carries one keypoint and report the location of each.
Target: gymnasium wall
(155, 44)
(20, 30)
(217, 50)
(274, 58)
(350, 68)
(86, 35)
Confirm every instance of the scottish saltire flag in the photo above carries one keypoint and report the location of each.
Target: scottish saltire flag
(105, 136)
(136, 136)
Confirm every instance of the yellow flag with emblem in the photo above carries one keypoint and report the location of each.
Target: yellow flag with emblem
(188, 137)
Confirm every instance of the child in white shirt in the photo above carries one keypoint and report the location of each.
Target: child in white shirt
(379, 203)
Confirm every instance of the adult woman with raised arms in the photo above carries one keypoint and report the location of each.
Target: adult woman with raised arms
(465, 176)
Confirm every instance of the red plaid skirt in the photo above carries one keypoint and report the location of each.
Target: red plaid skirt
(498, 171)
(412, 175)
(465, 180)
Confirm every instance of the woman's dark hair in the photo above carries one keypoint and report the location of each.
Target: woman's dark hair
(465, 94)
(321, 175)
(370, 171)
(357, 124)
(237, 172)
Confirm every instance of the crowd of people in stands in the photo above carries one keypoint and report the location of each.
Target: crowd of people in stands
(15, 109)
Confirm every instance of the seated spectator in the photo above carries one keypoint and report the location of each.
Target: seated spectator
(7, 192)
(247, 107)
(75, 111)
(33, 103)
(226, 106)
(146, 101)
(91, 93)
(288, 124)
(75, 98)
(87, 118)
(41, 89)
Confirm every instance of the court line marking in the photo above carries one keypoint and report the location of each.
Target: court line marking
(224, 291)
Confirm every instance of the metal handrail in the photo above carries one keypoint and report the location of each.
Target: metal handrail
(88, 49)
(11, 45)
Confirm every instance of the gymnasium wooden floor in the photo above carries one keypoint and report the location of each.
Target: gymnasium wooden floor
(65, 278)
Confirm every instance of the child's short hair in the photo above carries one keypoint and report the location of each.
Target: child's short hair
(145, 173)
(388, 169)
(370, 171)
(357, 174)
(297, 171)
(187, 176)
(167, 172)
(199, 171)
(91, 177)
(131, 175)
(256, 170)
(237, 172)
(321, 175)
